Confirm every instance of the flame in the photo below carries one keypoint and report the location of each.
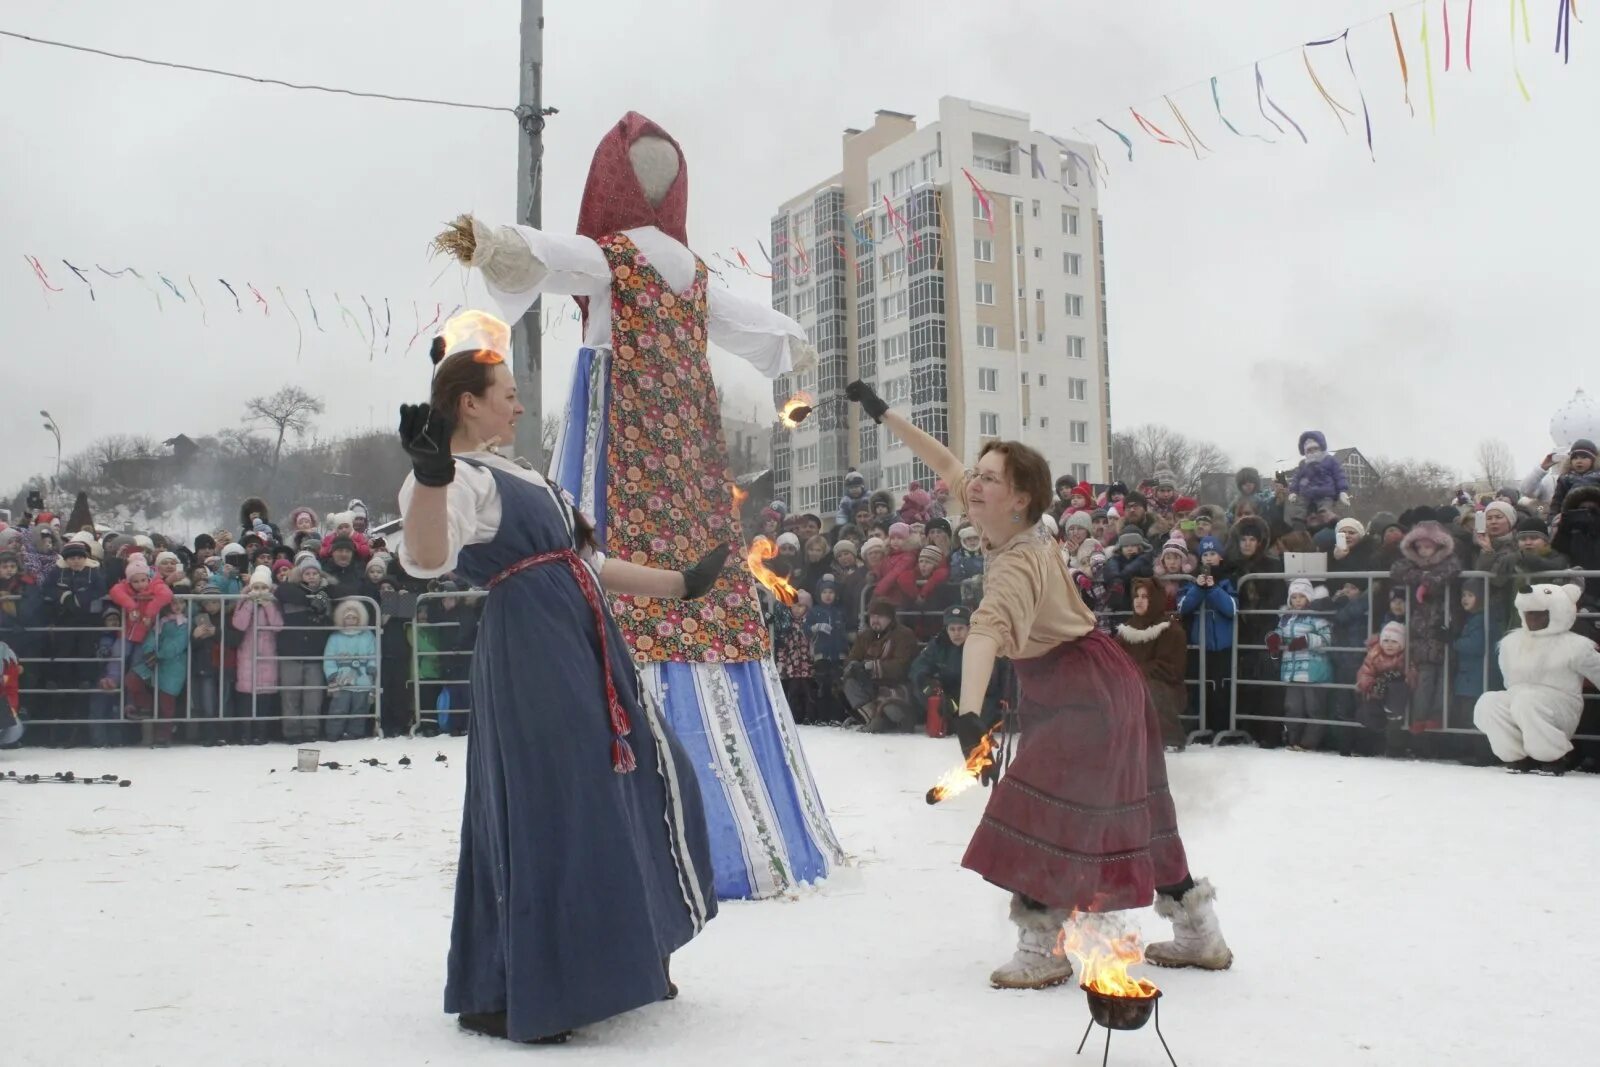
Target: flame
(762, 550)
(1103, 952)
(739, 497)
(958, 780)
(795, 409)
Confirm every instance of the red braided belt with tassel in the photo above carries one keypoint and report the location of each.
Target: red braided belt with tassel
(622, 759)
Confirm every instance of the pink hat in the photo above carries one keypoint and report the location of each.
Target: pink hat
(1176, 542)
(900, 529)
(136, 568)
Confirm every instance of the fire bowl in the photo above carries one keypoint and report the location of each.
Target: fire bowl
(1120, 1013)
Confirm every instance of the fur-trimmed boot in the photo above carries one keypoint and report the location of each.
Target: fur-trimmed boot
(1197, 935)
(1035, 965)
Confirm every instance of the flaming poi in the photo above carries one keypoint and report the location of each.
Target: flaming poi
(795, 409)
(958, 780)
(761, 550)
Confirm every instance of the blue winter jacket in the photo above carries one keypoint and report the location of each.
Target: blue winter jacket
(828, 628)
(1309, 664)
(1221, 602)
(964, 565)
(1321, 480)
(356, 651)
(1471, 648)
(169, 643)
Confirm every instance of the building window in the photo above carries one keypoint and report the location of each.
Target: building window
(802, 225)
(806, 380)
(1036, 209)
(897, 348)
(1016, 206)
(988, 424)
(980, 208)
(806, 498)
(805, 458)
(897, 477)
(1038, 253)
(1080, 472)
(892, 264)
(874, 191)
(1074, 348)
(1044, 422)
(986, 293)
(1077, 389)
(983, 250)
(1072, 263)
(805, 301)
(897, 390)
(1024, 377)
(929, 163)
(1042, 379)
(1069, 221)
(1038, 294)
(894, 307)
(1075, 305)
(986, 337)
(1080, 432)
(988, 380)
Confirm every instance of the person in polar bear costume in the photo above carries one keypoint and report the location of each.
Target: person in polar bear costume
(1530, 724)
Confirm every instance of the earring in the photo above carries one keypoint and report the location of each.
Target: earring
(1016, 516)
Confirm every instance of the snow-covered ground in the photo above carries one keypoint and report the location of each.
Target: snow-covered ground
(1381, 913)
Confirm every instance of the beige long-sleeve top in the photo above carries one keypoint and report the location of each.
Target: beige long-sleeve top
(1030, 603)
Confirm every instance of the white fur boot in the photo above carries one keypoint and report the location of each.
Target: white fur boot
(1197, 935)
(1035, 965)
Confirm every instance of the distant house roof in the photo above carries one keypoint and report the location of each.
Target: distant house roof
(182, 445)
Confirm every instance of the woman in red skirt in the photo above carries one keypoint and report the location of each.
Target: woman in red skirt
(1083, 819)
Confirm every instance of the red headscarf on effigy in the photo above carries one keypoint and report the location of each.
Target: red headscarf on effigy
(613, 199)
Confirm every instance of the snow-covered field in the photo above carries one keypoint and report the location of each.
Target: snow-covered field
(1381, 913)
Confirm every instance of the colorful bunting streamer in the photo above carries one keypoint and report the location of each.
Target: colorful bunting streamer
(1400, 49)
(983, 194)
(175, 290)
(1262, 95)
(299, 334)
(315, 321)
(1216, 98)
(1126, 143)
(346, 314)
(1194, 139)
(160, 307)
(1516, 68)
(201, 300)
(1564, 30)
(265, 310)
(1427, 69)
(428, 328)
(1316, 81)
(237, 308)
(1445, 4)
(40, 273)
(388, 320)
(1155, 131)
(1469, 36)
(82, 277)
(372, 329)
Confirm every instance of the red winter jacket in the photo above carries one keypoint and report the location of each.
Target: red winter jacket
(139, 613)
(905, 589)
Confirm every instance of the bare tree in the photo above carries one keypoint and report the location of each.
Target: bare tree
(549, 431)
(1496, 464)
(290, 408)
(1141, 452)
(1407, 483)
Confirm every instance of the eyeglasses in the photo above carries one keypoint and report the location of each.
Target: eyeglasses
(988, 479)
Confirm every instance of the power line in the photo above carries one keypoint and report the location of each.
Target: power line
(256, 78)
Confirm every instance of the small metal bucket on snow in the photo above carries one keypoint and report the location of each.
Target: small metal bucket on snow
(307, 759)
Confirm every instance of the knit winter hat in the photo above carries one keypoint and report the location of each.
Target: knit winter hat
(1351, 524)
(281, 567)
(1583, 447)
(873, 543)
(1502, 508)
(883, 608)
(1135, 498)
(1302, 586)
(1132, 539)
(970, 535)
(136, 566)
(937, 524)
(931, 554)
(899, 529)
(844, 546)
(232, 548)
(1080, 519)
(1393, 631)
(305, 561)
(802, 598)
(342, 541)
(166, 557)
(356, 508)
(1532, 524)
(79, 550)
(789, 539)
(1176, 542)
(1185, 503)
(1209, 544)
(261, 577)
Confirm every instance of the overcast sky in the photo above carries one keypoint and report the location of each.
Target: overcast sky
(1410, 307)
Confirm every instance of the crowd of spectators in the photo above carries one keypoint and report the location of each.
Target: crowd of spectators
(1388, 625)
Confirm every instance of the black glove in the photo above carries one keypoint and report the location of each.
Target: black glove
(698, 580)
(862, 393)
(425, 435)
(970, 733)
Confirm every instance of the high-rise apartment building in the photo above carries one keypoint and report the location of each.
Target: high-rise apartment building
(959, 268)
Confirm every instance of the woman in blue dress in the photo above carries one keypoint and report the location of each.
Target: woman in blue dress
(584, 858)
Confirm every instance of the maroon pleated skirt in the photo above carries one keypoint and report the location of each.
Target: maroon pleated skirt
(1083, 817)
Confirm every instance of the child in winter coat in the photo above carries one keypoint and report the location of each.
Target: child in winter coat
(258, 619)
(350, 663)
(1384, 683)
(105, 706)
(855, 495)
(344, 527)
(1469, 643)
(1155, 640)
(830, 634)
(1300, 639)
(141, 599)
(159, 671)
(1578, 470)
(793, 651)
(1319, 479)
(966, 565)
(921, 593)
(215, 646)
(307, 611)
(1132, 559)
(1171, 563)
(1210, 633)
(1427, 570)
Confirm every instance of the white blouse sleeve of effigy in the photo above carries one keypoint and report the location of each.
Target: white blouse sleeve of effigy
(519, 263)
(473, 517)
(767, 339)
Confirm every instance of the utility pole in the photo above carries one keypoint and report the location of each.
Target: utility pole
(526, 358)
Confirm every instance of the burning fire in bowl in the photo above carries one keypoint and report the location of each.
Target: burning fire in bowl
(1103, 951)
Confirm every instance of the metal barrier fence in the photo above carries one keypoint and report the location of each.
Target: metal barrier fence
(1486, 588)
(211, 693)
(446, 689)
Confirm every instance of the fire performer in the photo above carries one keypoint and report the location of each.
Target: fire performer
(642, 450)
(1082, 819)
(584, 855)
